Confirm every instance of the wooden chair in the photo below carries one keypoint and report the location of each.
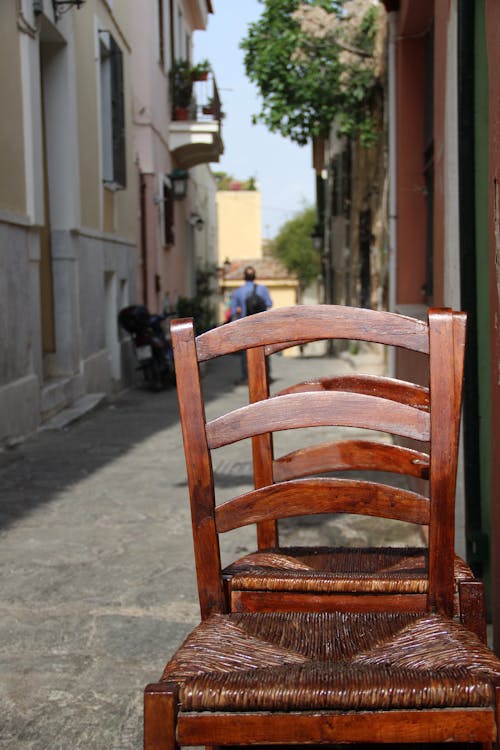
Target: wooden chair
(324, 579)
(262, 678)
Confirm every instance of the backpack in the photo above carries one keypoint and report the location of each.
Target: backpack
(254, 302)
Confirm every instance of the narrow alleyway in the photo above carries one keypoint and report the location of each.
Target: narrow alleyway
(98, 584)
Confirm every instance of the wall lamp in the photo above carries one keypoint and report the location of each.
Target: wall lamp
(179, 180)
(317, 237)
(196, 221)
(62, 6)
(223, 270)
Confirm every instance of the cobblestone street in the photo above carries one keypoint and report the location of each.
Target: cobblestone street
(98, 585)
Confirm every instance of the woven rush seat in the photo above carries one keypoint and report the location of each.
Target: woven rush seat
(322, 570)
(361, 661)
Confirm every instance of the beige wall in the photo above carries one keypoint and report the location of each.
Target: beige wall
(90, 185)
(283, 294)
(239, 224)
(12, 177)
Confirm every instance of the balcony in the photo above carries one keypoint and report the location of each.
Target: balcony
(195, 135)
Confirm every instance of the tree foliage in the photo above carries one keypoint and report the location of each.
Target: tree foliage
(293, 246)
(313, 62)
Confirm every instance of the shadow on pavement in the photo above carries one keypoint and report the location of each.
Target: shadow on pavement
(50, 462)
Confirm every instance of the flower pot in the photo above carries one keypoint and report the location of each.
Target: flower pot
(208, 110)
(181, 113)
(200, 76)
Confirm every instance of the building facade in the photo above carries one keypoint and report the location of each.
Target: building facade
(172, 143)
(351, 194)
(89, 221)
(445, 164)
(67, 206)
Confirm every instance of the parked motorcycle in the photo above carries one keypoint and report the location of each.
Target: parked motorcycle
(151, 344)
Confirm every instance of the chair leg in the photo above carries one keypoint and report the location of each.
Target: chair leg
(473, 607)
(494, 745)
(160, 716)
(497, 709)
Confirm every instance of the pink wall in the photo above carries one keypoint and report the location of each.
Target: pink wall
(441, 18)
(411, 213)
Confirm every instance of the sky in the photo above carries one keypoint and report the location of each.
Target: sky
(283, 169)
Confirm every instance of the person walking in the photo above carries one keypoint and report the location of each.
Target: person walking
(249, 299)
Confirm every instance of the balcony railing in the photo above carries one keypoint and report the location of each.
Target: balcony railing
(205, 104)
(195, 131)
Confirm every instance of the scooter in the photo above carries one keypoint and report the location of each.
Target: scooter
(151, 344)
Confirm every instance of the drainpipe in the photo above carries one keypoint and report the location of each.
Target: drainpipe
(392, 21)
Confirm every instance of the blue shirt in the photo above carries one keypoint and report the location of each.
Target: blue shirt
(239, 298)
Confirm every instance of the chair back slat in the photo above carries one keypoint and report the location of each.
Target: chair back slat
(287, 325)
(315, 410)
(324, 495)
(374, 385)
(347, 455)
(410, 393)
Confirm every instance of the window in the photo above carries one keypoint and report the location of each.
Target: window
(112, 112)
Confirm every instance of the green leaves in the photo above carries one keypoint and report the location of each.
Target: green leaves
(294, 247)
(312, 61)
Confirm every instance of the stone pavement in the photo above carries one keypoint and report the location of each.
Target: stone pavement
(96, 561)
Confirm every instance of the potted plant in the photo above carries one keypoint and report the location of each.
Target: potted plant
(199, 72)
(213, 107)
(209, 107)
(181, 85)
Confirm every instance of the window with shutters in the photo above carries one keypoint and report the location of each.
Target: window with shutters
(112, 112)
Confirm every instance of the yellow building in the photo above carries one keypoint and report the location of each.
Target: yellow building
(239, 224)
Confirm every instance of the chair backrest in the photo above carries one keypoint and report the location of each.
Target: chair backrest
(430, 415)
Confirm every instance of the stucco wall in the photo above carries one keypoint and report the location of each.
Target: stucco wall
(411, 212)
(15, 321)
(86, 52)
(20, 358)
(93, 272)
(12, 165)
